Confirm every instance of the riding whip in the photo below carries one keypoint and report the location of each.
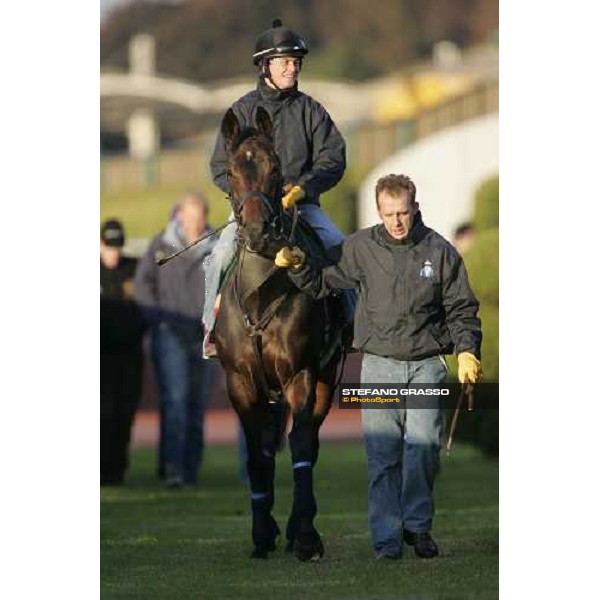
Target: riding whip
(162, 261)
(468, 389)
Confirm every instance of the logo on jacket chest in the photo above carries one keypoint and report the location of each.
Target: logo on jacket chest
(426, 271)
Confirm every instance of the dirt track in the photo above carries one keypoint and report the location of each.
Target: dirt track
(221, 422)
(221, 426)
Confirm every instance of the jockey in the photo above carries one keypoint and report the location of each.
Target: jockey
(310, 147)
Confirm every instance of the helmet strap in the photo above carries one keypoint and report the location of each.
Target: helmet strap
(265, 73)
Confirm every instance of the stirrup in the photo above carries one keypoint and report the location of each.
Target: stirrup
(209, 350)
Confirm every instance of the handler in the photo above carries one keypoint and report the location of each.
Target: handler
(309, 145)
(414, 306)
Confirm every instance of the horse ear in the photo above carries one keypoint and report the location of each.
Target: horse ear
(230, 127)
(263, 122)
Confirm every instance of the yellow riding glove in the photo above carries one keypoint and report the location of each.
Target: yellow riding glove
(469, 368)
(295, 194)
(290, 257)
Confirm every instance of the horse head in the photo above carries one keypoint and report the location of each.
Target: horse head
(254, 173)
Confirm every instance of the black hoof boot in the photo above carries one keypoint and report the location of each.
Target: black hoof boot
(264, 544)
(309, 547)
(260, 553)
(275, 532)
(291, 533)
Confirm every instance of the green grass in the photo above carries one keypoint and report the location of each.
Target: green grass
(146, 212)
(157, 543)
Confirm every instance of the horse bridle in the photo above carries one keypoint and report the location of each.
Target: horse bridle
(274, 219)
(273, 215)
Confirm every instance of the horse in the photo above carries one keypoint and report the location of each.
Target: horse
(269, 337)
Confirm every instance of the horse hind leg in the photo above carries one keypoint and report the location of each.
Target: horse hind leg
(322, 406)
(321, 409)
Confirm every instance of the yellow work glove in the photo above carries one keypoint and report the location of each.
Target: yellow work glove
(469, 368)
(290, 257)
(295, 194)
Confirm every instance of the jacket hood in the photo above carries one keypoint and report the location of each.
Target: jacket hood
(268, 94)
(173, 235)
(417, 232)
(174, 238)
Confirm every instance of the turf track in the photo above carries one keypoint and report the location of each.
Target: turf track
(157, 543)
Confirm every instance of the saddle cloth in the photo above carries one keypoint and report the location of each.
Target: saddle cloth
(307, 239)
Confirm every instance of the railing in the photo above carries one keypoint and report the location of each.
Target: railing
(186, 166)
(367, 145)
(371, 143)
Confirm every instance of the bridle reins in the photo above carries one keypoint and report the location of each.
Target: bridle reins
(275, 231)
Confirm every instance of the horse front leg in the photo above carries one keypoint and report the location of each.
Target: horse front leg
(303, 538)
(253, 414)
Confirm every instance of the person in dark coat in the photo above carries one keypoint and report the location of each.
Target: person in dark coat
(121, 333)
(415, 305)
(172, 298)
(310, 147)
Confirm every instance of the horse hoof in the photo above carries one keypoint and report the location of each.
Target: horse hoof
(309, 551)
(264, 548)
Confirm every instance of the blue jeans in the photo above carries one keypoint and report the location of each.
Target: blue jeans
(184, 380)
(224, 251)
(402, 448)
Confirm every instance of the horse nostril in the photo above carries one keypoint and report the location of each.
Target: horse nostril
(255, 232)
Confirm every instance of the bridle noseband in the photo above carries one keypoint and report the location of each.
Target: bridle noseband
(238, 205)
(272, 205)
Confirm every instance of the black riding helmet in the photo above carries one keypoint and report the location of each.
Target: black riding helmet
(278, 41)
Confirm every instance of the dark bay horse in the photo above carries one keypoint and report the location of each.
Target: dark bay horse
(269, 337)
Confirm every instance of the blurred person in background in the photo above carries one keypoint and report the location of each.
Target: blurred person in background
(310, 147)
(172, 299)
(415, 305)
(121, 360)
(463, 238)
